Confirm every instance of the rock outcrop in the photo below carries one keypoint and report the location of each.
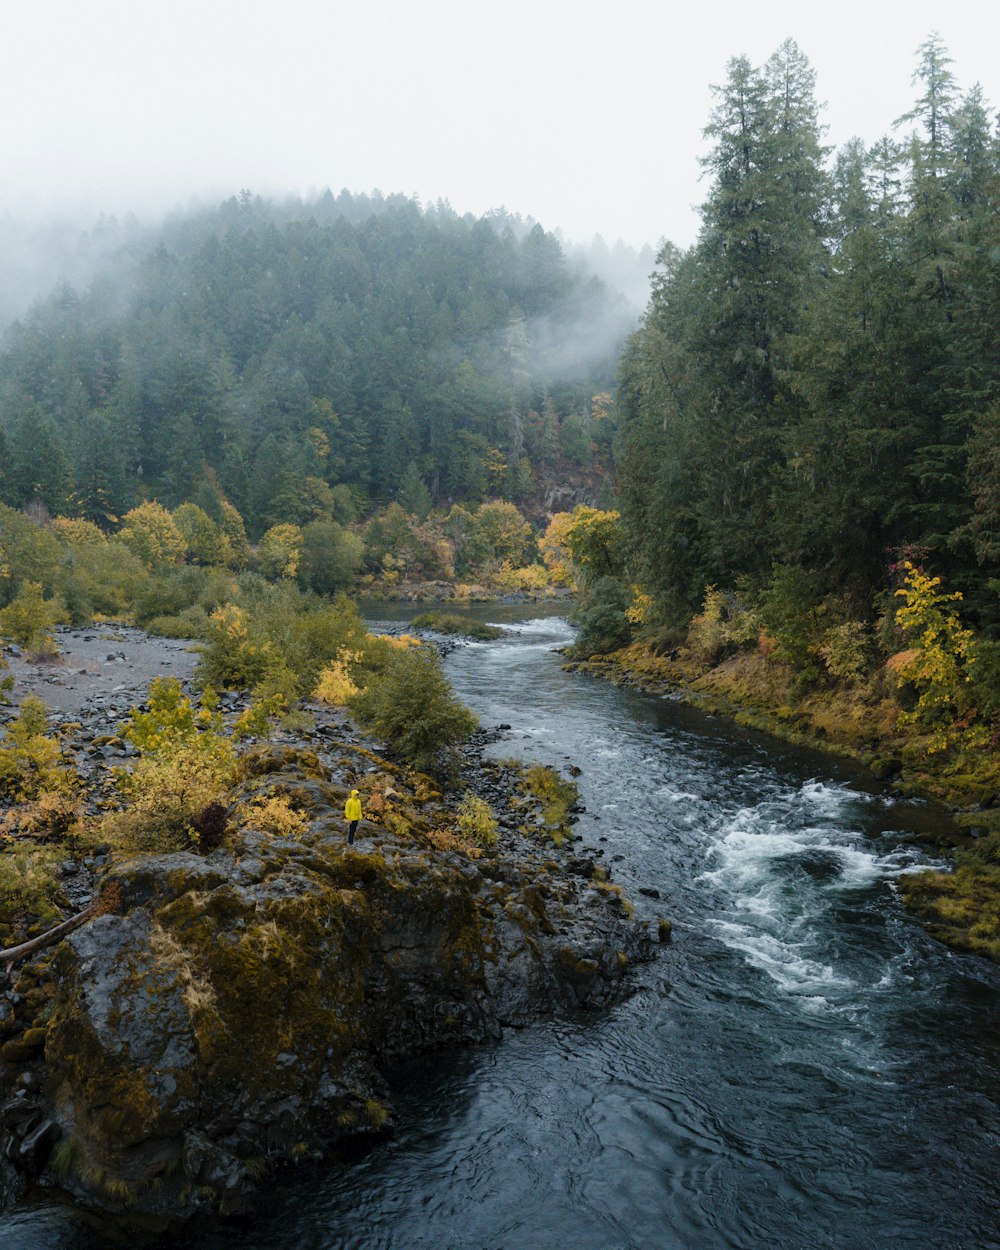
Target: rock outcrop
(240, 1009)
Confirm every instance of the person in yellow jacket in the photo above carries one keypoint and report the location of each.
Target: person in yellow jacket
(352, 814)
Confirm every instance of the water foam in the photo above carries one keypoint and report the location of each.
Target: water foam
(779, 868)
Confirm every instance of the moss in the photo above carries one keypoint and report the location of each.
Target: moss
(578, 970)
(259, 761)
(25, 1048)
(961, 908)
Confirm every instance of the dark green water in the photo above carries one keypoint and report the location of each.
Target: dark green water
(803, 1068)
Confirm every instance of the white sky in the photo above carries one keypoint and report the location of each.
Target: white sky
(587, 118)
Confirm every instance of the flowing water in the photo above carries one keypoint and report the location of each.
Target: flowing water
(802, 1068)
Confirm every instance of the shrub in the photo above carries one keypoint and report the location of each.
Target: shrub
(191, 623)
(53, 814)
(230, 656)
(29, 880)
(944, 654)
(173, 591)
(556, 796)
(276, 630)
(100, 579)
(508, 580)
(846, 650)
(30, 620)
(410, 706)
(29, 759)
(274, 814)
(166, 797)
(476, 820)
(171, 719)
(723, 626)
(27, 553)
(184, 775)
(335, 683)
(6, 679)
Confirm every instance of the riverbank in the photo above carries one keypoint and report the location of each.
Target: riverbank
(459, 593)
(235, 1012)
(962, 907)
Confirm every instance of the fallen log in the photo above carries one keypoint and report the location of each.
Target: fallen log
(13, 954)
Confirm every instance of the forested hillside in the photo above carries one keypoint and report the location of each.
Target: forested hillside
(812, 398)
(307, 361)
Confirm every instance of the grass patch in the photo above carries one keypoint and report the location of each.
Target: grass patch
(961, 908)
(557, 798)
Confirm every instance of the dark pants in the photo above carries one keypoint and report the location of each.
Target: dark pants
(352, 829)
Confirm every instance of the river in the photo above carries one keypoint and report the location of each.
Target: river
(801, 1068)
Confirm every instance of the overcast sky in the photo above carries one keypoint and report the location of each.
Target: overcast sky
(586, 117)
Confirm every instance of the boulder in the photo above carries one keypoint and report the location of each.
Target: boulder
(247, 1004)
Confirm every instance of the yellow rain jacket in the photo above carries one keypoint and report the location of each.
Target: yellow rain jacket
(352, 808)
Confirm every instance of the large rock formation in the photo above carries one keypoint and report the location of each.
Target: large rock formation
(239, 1009)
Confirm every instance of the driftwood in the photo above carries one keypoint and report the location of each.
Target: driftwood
(13, 954)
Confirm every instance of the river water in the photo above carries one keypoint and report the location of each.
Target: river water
(802, 1068)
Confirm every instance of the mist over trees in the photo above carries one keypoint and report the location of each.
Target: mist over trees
(308, 361)
(816, 382)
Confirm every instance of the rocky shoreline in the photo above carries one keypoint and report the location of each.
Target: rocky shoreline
(233, 1012)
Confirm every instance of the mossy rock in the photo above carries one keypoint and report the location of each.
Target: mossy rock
(885, 768)
(578, 970)
(25, 1048)
(266, 758)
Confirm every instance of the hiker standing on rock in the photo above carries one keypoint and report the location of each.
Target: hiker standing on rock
(352, 814)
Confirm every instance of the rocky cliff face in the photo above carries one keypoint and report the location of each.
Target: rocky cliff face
(239, 1010)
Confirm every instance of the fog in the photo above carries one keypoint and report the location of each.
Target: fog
(588, 120)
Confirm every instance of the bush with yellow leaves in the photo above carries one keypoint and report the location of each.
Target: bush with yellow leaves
(336, 685)
(29, 879)
(274, 814)
(231, 656)
(30, 620)
(941, 663)
(29, 759)
(169, 800)
(476, 820)
(182, 780)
